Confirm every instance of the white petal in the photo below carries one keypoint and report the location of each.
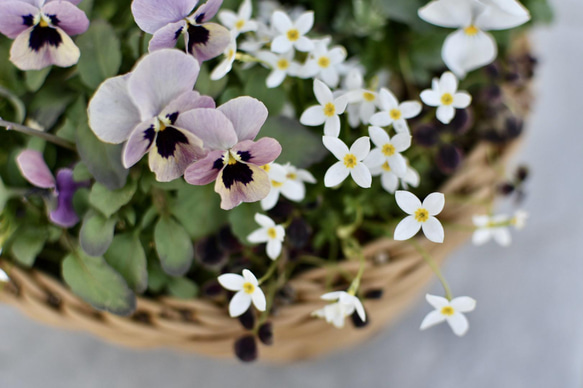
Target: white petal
(258, 298)
(447, 13)
(398, 164)
(388, 100)
(313, 116)
(430, 97)
(228, 18)
(304, 44)
(390, 182)
(239, 304)
(294, 190)
(305, 22)
(374, 159)
(433, 230)
(322, 92)
(281, 22)
(281, 45)
(463, 304)
(332, 126)
(462, 53)
(502, 236)
(361, 147)
(270, 201)
(401, 126)
(401, 142)
(481, 236)
(249, 277)
(275, 78)
(336, 174)
(445, 113)
(406, 229)
(361, 175)
(245, 10)
(334, 295)
(458, 323)
(379, 136)
(434, 203)
(340, 103)
(273, 249)
(381, 119)
(448, 83)
(502, 15)
(462, 100)
(336, 146)
(258, 236)
(330, 76)
(438, 302)
(359, 309)
(410, 109)
(432, 319)
(231, 281)
(407, 201)
(264, 221)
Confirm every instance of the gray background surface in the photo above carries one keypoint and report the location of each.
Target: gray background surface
(527, 330)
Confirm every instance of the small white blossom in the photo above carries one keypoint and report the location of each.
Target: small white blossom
(247, 292)
(362, 103)
(444, 95)
(327, 112)
(388, 150)
(323, 63)
(239, 22)
(411, 178)
(281, 65)
(496, 227)
(450, 311)
(393, 112)
(226, 64)
(3, 276)
(288, 181)
(421, 216)
(291, 34)
(335, 313)
(349, 162)
(269, 233)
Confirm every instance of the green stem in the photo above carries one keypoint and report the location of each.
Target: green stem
(269, 272)
(434, 267)
(16, 103)
(33, 132)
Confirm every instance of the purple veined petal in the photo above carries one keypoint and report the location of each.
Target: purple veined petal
(241, 182)
(172, 152)
(247, 115)
(52, 46)
(159, 78)
(70, 18)
(64, 215)
(151, 15)
(206, 170)
(74, 2)
(34, 169)
(261, 152)
(211, 126)
(167, 36)
(112, 113)
(139, 142)
(207, 11)
(185, 102)
(14, 17)
(207, 41)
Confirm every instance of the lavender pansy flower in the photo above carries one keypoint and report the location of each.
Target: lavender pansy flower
(167, 20)
(143, 107)
(234, 161)
(35, 170)
(41, 30)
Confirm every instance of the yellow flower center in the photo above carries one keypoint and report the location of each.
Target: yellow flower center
(232, 159)
(447, 310)
(471, 30)
(293, 35)
(446, 99)
(271, 233)
(240, 23)
(248, 288)
(421, 215)
(43, 22)
(368, 96)
(282, 64)
(231, 54)
(329, 109)
(386, 167)
(388, 150)
(276, 184)
(350, 161)
(395, 114)
(324, 62)
(292, 176)
(266, 167)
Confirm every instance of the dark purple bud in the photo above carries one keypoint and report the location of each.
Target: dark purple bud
(227, 240)
(64, 215)
(357, 322)
(208, 252)
(426, 135)
(514, 126)
(374, 294)
(492, 70)
(448, 158)
(265, 333)
(522, 173)
(492, 94)
(282, 211)
(212, 289)
(248, 319)
(462, 122)
(512, 77)
(298, 233)
(506, 188)
(246, 348)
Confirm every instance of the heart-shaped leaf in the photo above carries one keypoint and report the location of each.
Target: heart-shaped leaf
(174, 246)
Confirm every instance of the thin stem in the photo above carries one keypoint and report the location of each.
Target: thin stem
(269, 272)
(434, 267)
(16, 102)
(33, 132)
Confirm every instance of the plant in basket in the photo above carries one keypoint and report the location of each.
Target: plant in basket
(181, 166)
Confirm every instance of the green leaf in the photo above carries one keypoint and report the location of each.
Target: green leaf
(96, 233)
(108, 202)
(197, 208)
(81, 173)
(174, 246)
(206, 86)
(242, 220)
(92, 279)
(126, 255)
(4, 194)
(255, 86)
(157, 278)
(27, 244)
(300, 147)
(34, 80)
(183, 288)
(101, 54)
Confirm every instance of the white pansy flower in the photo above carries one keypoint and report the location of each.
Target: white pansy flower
(349, 162)
(327, 112)
(444, 95)
(450, 311)
(323, 63)
(288, 181)
(269, 233)
(393, 112)
(239, 22)
(291, 34)
(226, 64)
(362, 103)
(421, 216)
(388, 150)
(496, 227)
(247, 291)
(281, 65)
(335, 313)
(471, 47)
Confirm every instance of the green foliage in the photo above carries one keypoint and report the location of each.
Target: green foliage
(174, 246)
(126, 255)
(27, 244)
(101, 57)
(96, 233)
(197, 208)
(242, 220)
(35, 79)
(273, 98)
(108, 202)
(182, 288)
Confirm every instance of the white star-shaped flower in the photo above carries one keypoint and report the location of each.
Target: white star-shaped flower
(388, 150)
(269, 233)
(496, 227)
(444, 95)
(335, 313)
(362, 103)
(421, 216)
(327, 112)
(393, 112)
(281, 66)
(226, 64)
(450, 311)
(323, 63)
(288, 181)
(292, 34)
(238, 22)
(471, 47)
(247, 292)
(349, 162)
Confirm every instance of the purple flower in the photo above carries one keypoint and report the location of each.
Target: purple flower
(35, 170)
(143, 108)
(234, 161)
(168, 19)
(41, 30)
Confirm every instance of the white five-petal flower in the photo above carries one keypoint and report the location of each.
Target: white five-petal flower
(323, 63)
(288, 181)
(327, 112)
(421, 215)
(349, 162)
(362, 103)
(281, 65)
(335, 313)
(497, 227)
(292, 34)
(239, 22)
(450, 311)
(388, 150)
(393, 112)
(444, 95)
(269, 233)
(247, 291)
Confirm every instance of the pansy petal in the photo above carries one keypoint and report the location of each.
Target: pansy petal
(434, 203)
(438, 302)
(46, 52)
(241, 182)
(71, 19)
(64, 215)
(433, 230)
(463, 304)
(313, 116)
(406, 229)
(462, 53)
(305, 22)
(207, 11)
(458, 323)
(336, 174)
(139, 142)
(361, 147)
(207, 41)
(231, 281)
(336, 146)
(445, 113)
(258, 298)
(11, 17)
(204, 171)
(211, 126)
(247, 115)
(167, 36)
(261, 152)
(151, 15)
(34, 169)
(239, 304)
(448, 13)
(462, 100)
(361, 175)
(432, 319)
(273, 249)
(186, 102)
(407, 201)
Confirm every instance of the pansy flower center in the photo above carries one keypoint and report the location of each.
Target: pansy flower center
(395, 114)
(388, 149)
(386, 167)
(446, 99)
(447, 310)
(43, 32)
(350, 161)
(471, 30)
(368, 96)
(329, 109)
(282, 64)
(293, 35)
(324, 62)
(421, 215)
(271, 233)
(248, 288)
